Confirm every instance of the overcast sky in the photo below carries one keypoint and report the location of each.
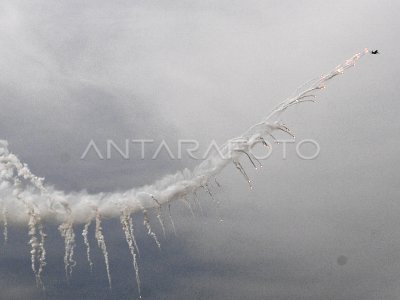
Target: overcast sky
(75, 71)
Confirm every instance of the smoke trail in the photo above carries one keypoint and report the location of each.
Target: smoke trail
(102, 245)
(197, 201)
(146, 223)
(133, 235)
(85, 232)
(189, 206)
(159, 215)
(33, 241)
(42, 254)
(67, 232)
(38, 203)
(171, 219)
(5, 224)
(128, 230)
(239, 166)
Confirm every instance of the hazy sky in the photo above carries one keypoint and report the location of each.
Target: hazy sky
(73, 71)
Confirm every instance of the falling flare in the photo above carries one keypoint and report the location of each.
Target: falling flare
(284, 128)
(256, 159)
(185, 200)
(42, 254)
(159, 216)
(129, 239)
(206, 188)
(33, 241)
(216, 201)
(264, 142)
(248, 156)
(5, 224)
(216, 182)
(146, 223)
(197, 201)
(67, 232)
(171, 220)
(85, 232)
(239, 166)
(102, 245)
(133, 235)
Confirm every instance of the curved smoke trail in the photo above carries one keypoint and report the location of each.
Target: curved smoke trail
(24, 198)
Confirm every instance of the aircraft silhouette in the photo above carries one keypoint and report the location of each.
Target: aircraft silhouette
(374, 52)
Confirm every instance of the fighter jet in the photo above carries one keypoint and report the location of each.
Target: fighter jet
(374, 52)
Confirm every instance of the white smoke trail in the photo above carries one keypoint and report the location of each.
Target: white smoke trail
(67, 232)
(159, 215)
(85, 233)
(37, 202)
(185, 200)
(33, 241)
(42, 253)
(133, 235)
(127, 228)
(171, 219)
(102, 245)
(150, 232)
(197, 201)
(5, 224)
